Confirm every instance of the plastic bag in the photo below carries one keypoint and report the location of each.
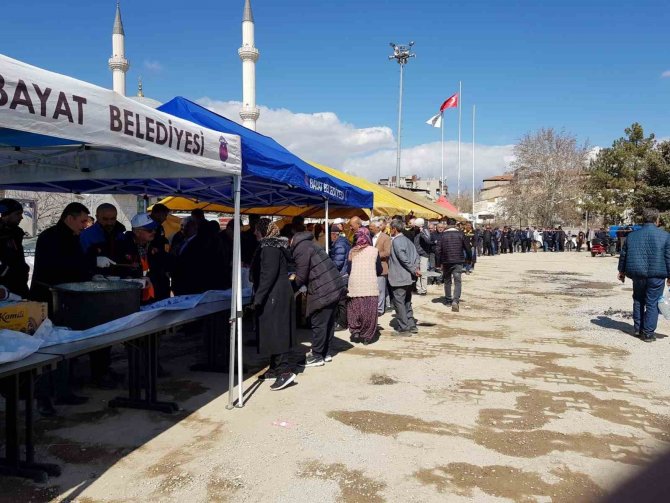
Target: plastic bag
(664, 306)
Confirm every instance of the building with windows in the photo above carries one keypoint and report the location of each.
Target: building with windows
(431, 187)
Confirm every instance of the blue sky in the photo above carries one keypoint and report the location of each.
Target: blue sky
(589, 67)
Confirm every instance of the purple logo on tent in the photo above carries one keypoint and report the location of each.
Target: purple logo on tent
(223, 149)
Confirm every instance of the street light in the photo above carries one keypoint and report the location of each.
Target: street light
(401, 53)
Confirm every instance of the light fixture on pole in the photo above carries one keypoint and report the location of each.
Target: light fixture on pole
(401, 53)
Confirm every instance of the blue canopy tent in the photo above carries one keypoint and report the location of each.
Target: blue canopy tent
(265, 163)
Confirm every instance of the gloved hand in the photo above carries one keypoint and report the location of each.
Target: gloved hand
(103, 262)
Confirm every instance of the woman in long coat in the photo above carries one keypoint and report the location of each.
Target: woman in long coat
(274, 303)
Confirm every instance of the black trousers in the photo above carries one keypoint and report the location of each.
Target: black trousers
(402, 302)
(341, 314)
(323, 329)
(279, 363)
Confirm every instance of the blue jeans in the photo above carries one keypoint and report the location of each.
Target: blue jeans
(646, 293)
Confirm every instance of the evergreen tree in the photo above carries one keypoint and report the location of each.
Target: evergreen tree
(630, 175)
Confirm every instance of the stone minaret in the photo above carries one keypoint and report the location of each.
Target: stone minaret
(118, 63)
(249, 55)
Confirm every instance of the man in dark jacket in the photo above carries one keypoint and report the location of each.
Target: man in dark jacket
(99, 243)
(452, 251)
(104, 232)
(325, 288)
(59, 258)
(645, 258)
(161, 261)
(13, 268)
(488, 241)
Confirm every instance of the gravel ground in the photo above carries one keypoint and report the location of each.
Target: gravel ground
(533, 392)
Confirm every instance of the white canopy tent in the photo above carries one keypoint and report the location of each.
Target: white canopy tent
(54, 128)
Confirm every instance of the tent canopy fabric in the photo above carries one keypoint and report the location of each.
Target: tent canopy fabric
(267, 166)
(185, 204)
(73, 136)
(444, 202)
(417, 199)
(387, 203)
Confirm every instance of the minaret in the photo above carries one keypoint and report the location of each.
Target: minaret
(118, 63)
(249, 55)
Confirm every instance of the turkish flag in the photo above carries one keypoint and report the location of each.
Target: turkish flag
(451, 102)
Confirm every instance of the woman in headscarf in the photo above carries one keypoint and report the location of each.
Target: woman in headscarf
(274, 303)
(365, 266)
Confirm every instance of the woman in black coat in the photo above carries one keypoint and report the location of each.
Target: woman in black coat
(274, 303)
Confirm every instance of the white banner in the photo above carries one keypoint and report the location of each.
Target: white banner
(43, 102)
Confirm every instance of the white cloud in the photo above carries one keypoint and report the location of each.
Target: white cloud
(321, 137)
(424, 160)
(665, 74)
(368, 152)
(153, 66)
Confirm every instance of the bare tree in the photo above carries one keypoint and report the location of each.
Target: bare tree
(548, 182)
(50, 205)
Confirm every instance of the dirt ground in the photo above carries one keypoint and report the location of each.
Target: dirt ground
(533, 392)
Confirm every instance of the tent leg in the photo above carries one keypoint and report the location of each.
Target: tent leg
(238, 289)
(235, 322)
(327, 230)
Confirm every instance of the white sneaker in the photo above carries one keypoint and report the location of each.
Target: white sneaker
(328, 358)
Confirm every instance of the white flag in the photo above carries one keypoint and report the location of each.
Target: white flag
(435, 121)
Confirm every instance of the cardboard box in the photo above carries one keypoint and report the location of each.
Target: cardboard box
(23, 316)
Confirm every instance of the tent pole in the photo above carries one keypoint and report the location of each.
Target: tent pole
(238, 290)
(327, 230)
(234, 294)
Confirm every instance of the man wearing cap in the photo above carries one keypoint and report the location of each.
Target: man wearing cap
(13, 268)
(423, 245)
(134, 249)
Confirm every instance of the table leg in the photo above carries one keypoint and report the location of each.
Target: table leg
(144, 353)
(12, 465)
(215, 342)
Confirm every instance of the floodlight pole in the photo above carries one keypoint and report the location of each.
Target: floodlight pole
(401, 53)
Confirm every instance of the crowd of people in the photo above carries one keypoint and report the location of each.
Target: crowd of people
(497, 240)
(367, 271)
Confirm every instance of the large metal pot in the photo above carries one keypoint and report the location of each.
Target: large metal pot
(80, 306)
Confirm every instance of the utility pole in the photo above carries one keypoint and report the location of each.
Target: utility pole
(401, 53)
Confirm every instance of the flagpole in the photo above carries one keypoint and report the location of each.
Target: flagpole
(460, 104)
(473, 163)
(442, 152)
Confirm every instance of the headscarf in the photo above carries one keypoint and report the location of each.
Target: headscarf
(362, 239)
(267, 228)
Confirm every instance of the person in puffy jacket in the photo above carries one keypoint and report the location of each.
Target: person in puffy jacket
(339, 249)
(451, 252)
(645, 258)
(326, 286)
(339, 254)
